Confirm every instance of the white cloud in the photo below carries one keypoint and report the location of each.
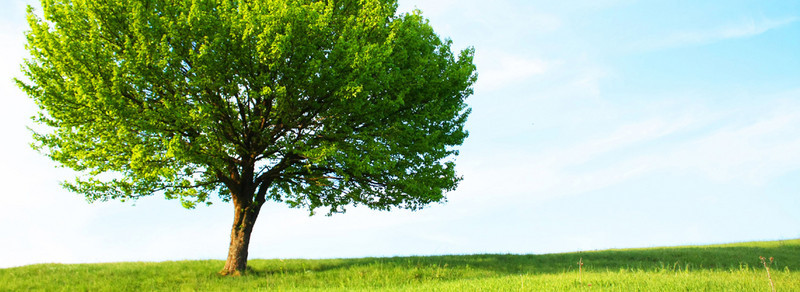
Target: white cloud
(500, 69)
(755, 145)
(747, 28)
(753, 153)
(497, 17)
(750, 150)
(626, 136)
(562, 171)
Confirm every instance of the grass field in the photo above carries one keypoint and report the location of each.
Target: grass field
(730, 267)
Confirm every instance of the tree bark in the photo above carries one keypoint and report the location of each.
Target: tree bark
(243, 221)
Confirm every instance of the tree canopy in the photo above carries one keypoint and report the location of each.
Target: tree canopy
(316, 104)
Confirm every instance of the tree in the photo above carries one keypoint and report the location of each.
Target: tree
(316, 104)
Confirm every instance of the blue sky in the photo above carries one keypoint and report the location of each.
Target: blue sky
(595, 124)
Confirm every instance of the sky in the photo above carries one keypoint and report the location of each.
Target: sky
(595, 125)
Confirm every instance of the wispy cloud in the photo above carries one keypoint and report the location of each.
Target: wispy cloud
(751, 153)
(753, 146)
(500, 69)
(743, 29)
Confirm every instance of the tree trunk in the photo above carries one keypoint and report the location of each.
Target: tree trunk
(243, 220)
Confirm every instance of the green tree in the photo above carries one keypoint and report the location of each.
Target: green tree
(316, 104)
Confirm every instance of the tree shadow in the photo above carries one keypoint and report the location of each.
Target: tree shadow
(728, 257)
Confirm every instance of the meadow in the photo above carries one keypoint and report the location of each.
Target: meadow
(729, 267)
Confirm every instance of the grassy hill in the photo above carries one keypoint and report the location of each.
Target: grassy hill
(730, 267)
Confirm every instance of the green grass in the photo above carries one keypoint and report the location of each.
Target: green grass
(730, 267)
